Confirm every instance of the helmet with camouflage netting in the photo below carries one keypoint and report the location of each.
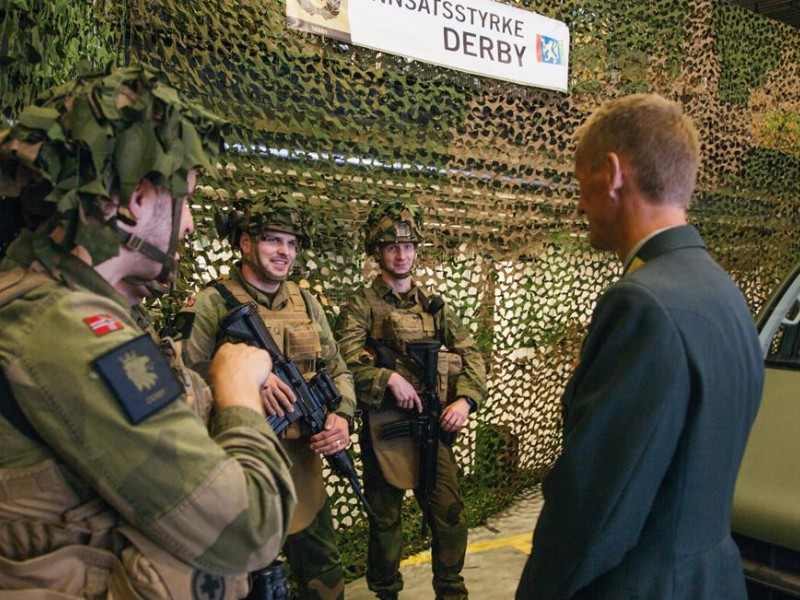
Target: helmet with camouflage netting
(268, 212)
(93, 140)
(392, 222)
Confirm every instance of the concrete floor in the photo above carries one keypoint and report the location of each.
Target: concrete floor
(496, 554)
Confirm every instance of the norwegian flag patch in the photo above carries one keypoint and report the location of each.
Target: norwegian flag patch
(102, 324)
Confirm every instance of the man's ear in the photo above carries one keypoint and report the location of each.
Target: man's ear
(615, 175)
(136, 202)
(244, 243)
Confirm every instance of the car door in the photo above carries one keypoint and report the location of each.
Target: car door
(766, 507)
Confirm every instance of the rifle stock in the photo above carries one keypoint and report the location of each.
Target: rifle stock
(315, 398)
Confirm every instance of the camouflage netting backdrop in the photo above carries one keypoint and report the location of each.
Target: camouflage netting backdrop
(490, 162)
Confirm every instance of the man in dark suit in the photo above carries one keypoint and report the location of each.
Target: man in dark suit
(657, 413)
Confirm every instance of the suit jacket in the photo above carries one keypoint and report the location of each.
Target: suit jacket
(657, 414)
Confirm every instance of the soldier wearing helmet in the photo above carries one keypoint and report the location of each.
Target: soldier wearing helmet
(270, 231)
(392, 223)
(113, 486)
(377, 323)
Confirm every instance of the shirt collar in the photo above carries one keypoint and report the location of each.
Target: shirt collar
(632, 254)
(272, 302)
(385, 291)
(72, 271)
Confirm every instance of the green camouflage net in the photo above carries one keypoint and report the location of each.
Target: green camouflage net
(489, 163)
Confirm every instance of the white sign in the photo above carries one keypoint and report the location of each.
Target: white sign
(477, 36)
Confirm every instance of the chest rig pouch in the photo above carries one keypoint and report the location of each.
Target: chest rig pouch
(290, 326)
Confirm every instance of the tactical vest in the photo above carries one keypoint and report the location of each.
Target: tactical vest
(53, 546)
(295, 335)
(291, 327)
(399, 458)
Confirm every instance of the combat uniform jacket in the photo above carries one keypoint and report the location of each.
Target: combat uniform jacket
(377, 314)
(110, 485)
(301, 331)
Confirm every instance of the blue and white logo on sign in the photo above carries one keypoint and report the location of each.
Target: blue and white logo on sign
(549, 50)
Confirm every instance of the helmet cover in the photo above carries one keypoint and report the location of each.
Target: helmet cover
(96, 138)
(392, 222)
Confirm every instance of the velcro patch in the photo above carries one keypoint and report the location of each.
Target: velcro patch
(102, 324)
(211, 587)
(140, 377)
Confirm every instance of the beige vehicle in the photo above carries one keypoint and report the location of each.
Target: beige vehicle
(766, 506)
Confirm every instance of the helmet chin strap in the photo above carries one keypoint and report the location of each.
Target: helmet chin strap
(167, 259)
(155, 289)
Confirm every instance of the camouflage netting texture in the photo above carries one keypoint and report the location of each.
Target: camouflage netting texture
(489, 162)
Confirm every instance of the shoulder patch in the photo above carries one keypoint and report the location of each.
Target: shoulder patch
(102, 324)
(182, 325)
(140, 377)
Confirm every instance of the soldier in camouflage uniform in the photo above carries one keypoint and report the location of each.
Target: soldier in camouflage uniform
(110, 484)
(270, 232)
(388, 313)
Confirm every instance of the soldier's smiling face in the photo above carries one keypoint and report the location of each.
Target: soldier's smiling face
(397, 259)
(270, 255)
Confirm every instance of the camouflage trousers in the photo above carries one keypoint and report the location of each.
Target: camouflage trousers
(448, 524)
(314, 560)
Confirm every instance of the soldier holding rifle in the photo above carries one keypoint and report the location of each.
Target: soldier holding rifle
(389, 337)
(270, 232)
(111, 484)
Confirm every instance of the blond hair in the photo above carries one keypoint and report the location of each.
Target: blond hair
(654, 136)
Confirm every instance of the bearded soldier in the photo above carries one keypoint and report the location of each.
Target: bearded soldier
(111, 485)
(269, 232)
(380, 321)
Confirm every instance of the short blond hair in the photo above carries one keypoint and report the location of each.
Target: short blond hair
(654, 136)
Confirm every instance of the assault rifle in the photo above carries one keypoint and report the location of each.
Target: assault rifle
(315, 398)
(425, 425)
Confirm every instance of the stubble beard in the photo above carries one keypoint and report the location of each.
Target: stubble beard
(262, 273)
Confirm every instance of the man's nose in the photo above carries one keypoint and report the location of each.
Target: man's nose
(187, 220)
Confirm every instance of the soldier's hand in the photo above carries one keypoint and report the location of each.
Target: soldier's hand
(455, 415)
(278, 396)
(405, 396)
(335, 436)
(237, 373)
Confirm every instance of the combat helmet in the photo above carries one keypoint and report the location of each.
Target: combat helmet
(264, 212)
(92, 140)
(392, 222)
